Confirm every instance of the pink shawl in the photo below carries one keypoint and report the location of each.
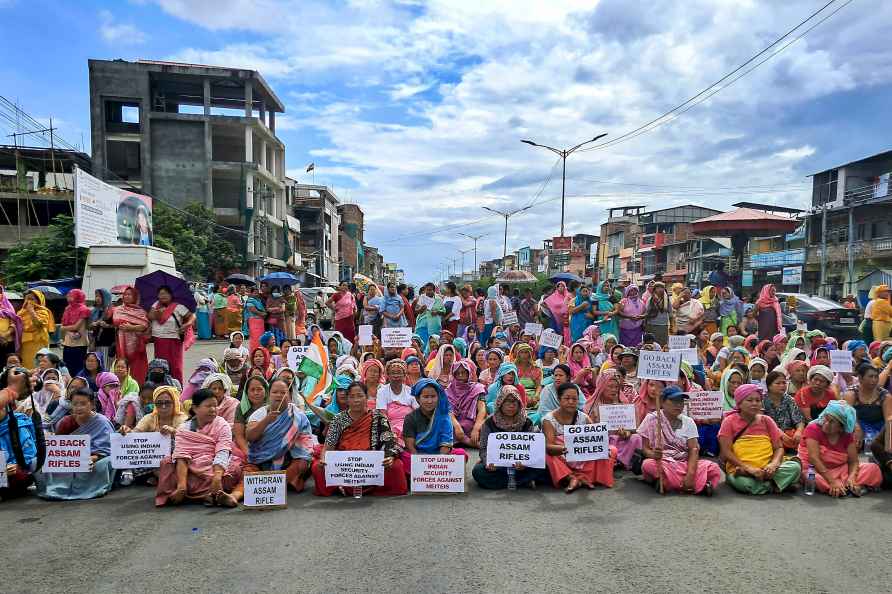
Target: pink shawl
(557, 303)
(200, 447)
(227, 408)
(768, 299)
(76, 310)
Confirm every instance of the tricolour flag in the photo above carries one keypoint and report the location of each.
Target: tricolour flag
(315, 365)
(311, 167)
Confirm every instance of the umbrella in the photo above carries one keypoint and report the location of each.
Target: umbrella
(241, 279)
(49, 292)
(566, 277)
(280, 278)
(363, 282)
(149, 284)
(516, 277)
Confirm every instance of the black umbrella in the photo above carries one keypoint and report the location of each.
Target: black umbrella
(149, 284)
(241, 279)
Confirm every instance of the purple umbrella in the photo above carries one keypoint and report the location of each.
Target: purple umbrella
(149, 284)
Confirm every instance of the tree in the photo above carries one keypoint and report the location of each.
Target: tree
(50, 255)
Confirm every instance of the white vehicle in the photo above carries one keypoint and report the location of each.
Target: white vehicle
(112, 265)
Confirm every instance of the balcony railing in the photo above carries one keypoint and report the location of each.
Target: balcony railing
(878, 191)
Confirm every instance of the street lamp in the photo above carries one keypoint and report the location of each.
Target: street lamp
(563, 154)
(474, 238)
(507, 215)
(463, 252)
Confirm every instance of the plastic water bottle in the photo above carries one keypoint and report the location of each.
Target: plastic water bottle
(357, 491)
(512, 479)
(126, 478)
(810, 481)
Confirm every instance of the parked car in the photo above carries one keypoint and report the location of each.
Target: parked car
(822, 314)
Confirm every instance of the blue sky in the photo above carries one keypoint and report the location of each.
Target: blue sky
(414, 110)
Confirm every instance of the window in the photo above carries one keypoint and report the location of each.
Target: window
(122, 116)
(880, 229)
(123, 159)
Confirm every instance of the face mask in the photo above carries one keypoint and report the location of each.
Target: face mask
(114, 393)
(277, 295)
(156, 376)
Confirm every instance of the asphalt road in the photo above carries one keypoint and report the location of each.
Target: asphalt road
(624, 539)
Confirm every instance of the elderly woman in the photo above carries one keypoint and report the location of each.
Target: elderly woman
(83, 420)
(509, 415)
(221, 387)
(395, 397)
(753, 449)
(202, 467)
(670, 444)
(360, 429)
(18, 437)
(572, 475)
(506, 376)
(373, 376)
(815, 395)
(280, 437)
(781, 407)
(829, 446)
(467, 398)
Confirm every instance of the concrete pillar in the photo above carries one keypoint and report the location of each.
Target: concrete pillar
(249, 99)
(263, 111)
(208, 158)
(207, 97)
(263, 162)
(249, 145)
(272, 122)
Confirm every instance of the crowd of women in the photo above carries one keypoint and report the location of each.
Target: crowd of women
(478, 364)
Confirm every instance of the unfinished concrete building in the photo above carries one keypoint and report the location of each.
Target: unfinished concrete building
(187, 133)
(317, 209)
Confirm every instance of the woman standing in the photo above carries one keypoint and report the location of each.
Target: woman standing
(709, 301)
(37, 325)
(631, 318)
(581, 316)
(132, 323)
(254, 318)
(344, 306)
(10, 328)
(74, 329)
(658, 314)
(689, 313)
(557, 303)
(730, 310)
(881, 313)
(172, 330)
(275, 310)
(233, 311)
(768, 313)
(101, 326)
(605, 309)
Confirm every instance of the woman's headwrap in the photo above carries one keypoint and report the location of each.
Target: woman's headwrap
(793, 365)
(439, 432)
(407, 352)
(724, 386)
(842, 412)
(509, 423)
(245, 403)
(887, 355)
(750, 342)
(204, 368)
(266, 338)
(821, 370)
(395, 364)
(716, 336)
(366, 365)
(735, 341)
(461, 346)
(757, 361)
(218, 377)
(874, 348)
(174, 395)
(743, 391)
(76, 310)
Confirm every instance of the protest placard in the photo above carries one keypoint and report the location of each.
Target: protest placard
(841, 360)
(266, 489)
(509, 318)
(295, 355)
(507, 449)
(705, 405)
(365, 335)
(139, 450)
(67, 453)
(691, 356)
(677, 343)
(586, 442)
(618, 416)
(658, 365)
(550, 339)
(801, 326)
(438, 474)
(532, 328)
(354, 468)
(396, 338)
(4, 481)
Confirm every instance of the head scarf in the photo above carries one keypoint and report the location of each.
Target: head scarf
(163, 365)
(84, 373)
(854, 345)
(724, 386)
(98, 311)
(76, 310)
(557, 303)
(814, 354)
(496, 386)
(842, 412)
(204, 368)
(108, 402)
(344, 345)
(821, 370)
(633, 305)
(366, 365)
(731, 304)
(604, 378)
(217, 377)
(342, 382)
(743, 391)
(395, 363)
(576, 367)
(750, 342)
(706, 296)
(266, 338)
(244, 404)
(174, 395)
(758, 361)
(503, 422)
(232, 338)
(42, 311)
(439, 432)
(793, 365)
(8, 311)
(461, 346)
(438, 370)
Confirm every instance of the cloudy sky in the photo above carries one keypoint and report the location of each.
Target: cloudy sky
(415, 110)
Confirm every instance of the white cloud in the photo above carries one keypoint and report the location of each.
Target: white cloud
(119, 33)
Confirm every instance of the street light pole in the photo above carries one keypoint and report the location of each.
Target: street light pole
(563, 154)
(463, 252)
(507, 214)
(474, 238)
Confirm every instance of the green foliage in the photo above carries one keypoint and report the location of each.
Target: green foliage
(538, 287)
(50, 255)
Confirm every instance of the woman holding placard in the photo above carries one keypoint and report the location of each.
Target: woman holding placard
(428, 429)
(467, 399)
(361, 429)
(611, 389)
(83, 420)
(202, 467)
(572, 475)
(670, 444)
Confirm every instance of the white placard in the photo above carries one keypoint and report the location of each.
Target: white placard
(586, 442)
(704, 405)
(139, 450)
(801, 326)
(550, 339)
(691, 356)
(509, 318)
(67, 453)
(618, 416)
(396, 338)
(352, 469)
(678, 343)
(506, 448)
(365, 335)
(658, 365)
(841, 360)
(265, 489)
(296, 354)
(438, 474)
(532, 328)
(4, 481)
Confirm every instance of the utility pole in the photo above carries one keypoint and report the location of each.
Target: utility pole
(507, 215)
(474, 238)
(463, 252)
(563, 154)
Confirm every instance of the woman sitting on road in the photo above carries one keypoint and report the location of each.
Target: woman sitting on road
(814, 396)
(254, 395)
(548, 398)
(428, 429)
(781, 407)
(752, 447)
(466, 397)
(221, 386)
(21, 453)
(202, 467)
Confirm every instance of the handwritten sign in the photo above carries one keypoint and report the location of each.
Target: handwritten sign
(266, 490)
(507, 449)
(139, 450)
(396, 338)
(704, 405)
(509, 318)
(841, 361)
(365, 335)
(618, 416)
(351, 469)
(296, 354)
(658, 365)
(677, 343)
(532, 329)
(586, 442)
(438, 474)
(67, 453)
(550, 339)
(4, 480)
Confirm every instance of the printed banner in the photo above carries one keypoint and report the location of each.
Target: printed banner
(106, 215)
(507, 449)
(67, 453)
(438, 474)
(586, 442)
(139, 450)
(353, 469)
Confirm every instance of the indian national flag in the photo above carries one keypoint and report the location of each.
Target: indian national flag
(315, 365)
